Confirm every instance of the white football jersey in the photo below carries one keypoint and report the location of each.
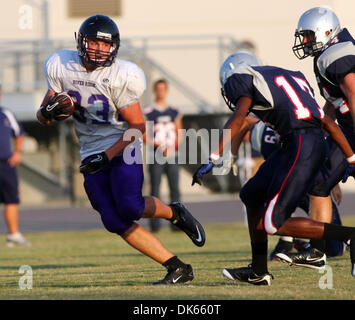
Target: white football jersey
(99, 95)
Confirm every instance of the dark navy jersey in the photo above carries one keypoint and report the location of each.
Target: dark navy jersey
(263, 139)
(9, 128)
(281, 98)
(164, 124)
(330, 67)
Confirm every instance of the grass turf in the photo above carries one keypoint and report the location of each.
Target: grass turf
(99, 265)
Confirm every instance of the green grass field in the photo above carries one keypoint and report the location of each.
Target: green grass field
(99, 265)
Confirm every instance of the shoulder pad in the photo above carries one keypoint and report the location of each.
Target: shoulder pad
(333, 53)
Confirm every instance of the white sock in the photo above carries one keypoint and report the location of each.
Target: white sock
(287, 239)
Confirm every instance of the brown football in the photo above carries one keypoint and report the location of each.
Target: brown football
(68, 110)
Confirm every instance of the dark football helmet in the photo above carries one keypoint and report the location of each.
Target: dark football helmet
(98, 27)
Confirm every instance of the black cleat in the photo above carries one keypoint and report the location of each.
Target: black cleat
(283, 247)
(313, 258)
(246, 274)
(178, 275)
(273, 255)
(187, 223)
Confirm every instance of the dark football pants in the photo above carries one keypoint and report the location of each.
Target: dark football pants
(116, 193)
(332, 172)
(285, 177)
(9, 190)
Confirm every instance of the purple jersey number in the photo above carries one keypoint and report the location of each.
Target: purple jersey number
(79, 113)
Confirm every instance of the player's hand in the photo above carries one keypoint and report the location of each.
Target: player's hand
(53, 107)
(15, 159)
(202, 170)
(350, 171)
(94, 163)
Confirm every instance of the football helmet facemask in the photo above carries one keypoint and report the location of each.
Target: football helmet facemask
(230, 66)
(316, 27)
(98, 27)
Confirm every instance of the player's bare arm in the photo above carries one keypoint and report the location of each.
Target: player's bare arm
(234, 124)
(329, 110)
(15, 158)
(248, 124)
(179, 132)
(135, 119)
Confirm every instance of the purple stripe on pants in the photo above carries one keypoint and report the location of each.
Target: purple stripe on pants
(116, 193)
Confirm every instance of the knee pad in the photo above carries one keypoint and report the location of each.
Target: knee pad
(131, 210)
(113, 223)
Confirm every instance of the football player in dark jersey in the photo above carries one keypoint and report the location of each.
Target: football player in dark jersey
(319, 35)
(265, 141)
(283, 99)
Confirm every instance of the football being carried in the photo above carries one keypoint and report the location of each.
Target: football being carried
(60, 106)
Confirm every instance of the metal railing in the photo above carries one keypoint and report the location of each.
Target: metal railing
(21, 71)
(21, 62)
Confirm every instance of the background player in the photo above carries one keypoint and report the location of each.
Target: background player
(106, 91)
(165, 136)
(10, 129)
(285, 100)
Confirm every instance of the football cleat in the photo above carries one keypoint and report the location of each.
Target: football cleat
(187, 223)
(17, 239)
(178, 275)
(246, 274)
(282, 246)
(313, 258)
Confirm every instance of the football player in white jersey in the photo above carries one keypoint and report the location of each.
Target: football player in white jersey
(106, 92)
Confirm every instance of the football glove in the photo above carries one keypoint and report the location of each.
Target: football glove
(202, 170)
(350, 171)
(94, 163)
(53, 107)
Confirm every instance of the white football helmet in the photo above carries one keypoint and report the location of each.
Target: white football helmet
(316, 27)
(230, 66)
